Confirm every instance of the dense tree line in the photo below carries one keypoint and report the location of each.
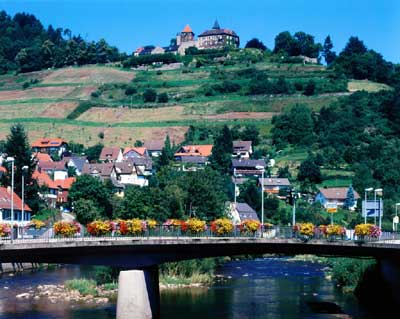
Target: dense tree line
(26, 45)
(361, 130)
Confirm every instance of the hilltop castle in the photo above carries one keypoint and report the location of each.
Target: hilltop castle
(216, 38)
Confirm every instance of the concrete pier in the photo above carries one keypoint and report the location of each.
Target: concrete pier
(138, 294)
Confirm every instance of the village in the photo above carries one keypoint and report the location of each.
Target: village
(57, 168)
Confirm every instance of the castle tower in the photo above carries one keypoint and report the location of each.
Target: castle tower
(187, 34)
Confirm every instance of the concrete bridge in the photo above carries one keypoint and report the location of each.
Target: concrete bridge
(138, 295)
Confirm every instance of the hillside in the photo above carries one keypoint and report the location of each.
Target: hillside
(210, 95)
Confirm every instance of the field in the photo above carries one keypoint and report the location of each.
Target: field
(43, 100)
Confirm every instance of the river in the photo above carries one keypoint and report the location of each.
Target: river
(256, 289)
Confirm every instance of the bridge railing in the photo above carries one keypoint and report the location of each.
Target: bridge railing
(170, 231)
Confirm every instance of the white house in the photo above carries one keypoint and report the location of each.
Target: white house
(128, 174)
(242, 211)
(242, 149)
(5, 208)
(335, 196)
(111, 155)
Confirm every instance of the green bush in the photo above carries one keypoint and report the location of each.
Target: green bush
(130, 90)
(84, 286)
(149, 95)
(95, 94)
(162, 98)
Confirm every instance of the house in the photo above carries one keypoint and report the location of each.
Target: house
(111, 155)
(242, 149)
(192, 163)
(57, 170)
(158, 50)
(274, 185)
(57, 194)
(103, 171)
(185, 39)
(334, 196)
(128, 174)
(217, 38)
(143, 165)
(76, 162)
(51, 146)
(242, 211)
(5, 208)
(135, 152)
(193, 150)
(248, 167)
(154, 147)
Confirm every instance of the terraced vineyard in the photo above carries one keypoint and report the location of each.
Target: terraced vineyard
(44, 100)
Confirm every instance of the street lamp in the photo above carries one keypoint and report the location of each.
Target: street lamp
(397, 218)
(378, 190)
(234, 190)
(262, 169)
(11, 159)
(370, 189)
(24, 170)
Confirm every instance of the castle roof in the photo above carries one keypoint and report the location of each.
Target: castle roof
(187, 29)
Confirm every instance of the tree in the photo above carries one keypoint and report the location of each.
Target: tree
(138, 143)
(167, 153)
(284, 172)
(309, 171)
(354, 46)
(93, 152)
(255, 44)
(309, 90)
(327, 52)
(17, 146)
(149, 95)
(284, 42)
(86, 211)
(91, 188)
(162, 98)
(251, 133)
(350, 200)
(222, 151)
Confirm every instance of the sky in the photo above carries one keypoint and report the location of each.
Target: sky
(129, 24)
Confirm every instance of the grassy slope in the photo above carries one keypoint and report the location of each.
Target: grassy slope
(43, 106)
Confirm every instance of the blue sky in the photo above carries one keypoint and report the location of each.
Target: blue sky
(129, 24)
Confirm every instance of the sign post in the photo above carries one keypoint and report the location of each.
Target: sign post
(331, 208)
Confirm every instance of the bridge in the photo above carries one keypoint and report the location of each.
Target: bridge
(138, 295)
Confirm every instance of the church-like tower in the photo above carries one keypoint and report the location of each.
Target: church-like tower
(187, 35)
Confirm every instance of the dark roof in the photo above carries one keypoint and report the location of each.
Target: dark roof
(219, 32)
(242, 145)
(247, 163)
(216, 25)
(79, 161)
(109, 153)
(101, 169)
(137, 161)
(124, 167)
(171, 48)
(154, 145)
(194, 159)
(246, 212)
(275, 181)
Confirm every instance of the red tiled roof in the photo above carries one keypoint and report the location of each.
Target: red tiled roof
(195, 150)
(48, 142)
(64, 183)
(109, 153)
(140, 150)
(3, 169)
(187, 29)
(53, 166)
(42, 179)
(5, 200)
(339, 193)
(44, 157)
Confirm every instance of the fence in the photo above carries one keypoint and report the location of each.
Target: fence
(170, 231)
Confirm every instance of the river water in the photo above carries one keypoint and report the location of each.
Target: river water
(261, 288)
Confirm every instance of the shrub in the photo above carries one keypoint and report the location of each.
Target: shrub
(163, 98)
(100, 228)
(84, 286)
(194, 226)
(149, 95)
(309, 90)
(25, 85)
(80, 109)
(95, 94)
(130, 90)
(249, 226)
(5, 230)
(36, 224)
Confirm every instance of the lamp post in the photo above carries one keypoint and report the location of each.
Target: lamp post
(262, 168)
(395, 228)
(370, 189)
(234, 190)
(24, 170)
(11, 159)
(378, 190)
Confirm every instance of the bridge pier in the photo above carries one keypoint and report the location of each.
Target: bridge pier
(138, 294)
